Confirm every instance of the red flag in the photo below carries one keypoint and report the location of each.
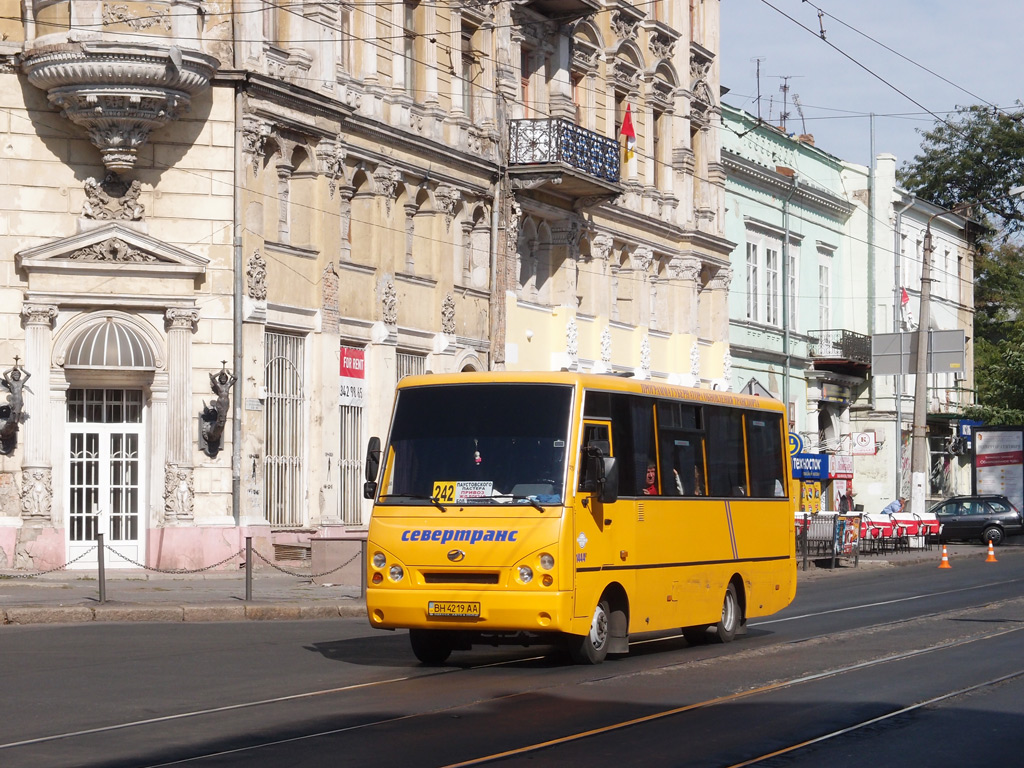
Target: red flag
(903, 296)
(630, 134)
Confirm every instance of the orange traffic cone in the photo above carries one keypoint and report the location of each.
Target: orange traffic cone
(991, 553)
(945, 558)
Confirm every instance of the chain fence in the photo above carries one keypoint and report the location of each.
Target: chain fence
(246, 557)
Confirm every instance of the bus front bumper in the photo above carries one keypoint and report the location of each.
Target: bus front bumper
(504, 611)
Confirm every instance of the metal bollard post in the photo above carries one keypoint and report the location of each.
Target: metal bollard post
(836, 529)
(100, 569)
(803, 539)
(860, 531)
(248, 569)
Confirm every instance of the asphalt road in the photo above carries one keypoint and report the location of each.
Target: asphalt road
(883, 666)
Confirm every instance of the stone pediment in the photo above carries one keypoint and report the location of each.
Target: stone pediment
(112, 247)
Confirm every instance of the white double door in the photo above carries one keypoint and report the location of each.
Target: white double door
(105, 470)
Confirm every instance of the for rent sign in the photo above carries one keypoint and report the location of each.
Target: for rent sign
(353, 376)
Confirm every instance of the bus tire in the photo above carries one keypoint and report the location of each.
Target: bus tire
(725, 630)
(592, 647)
(431, 646)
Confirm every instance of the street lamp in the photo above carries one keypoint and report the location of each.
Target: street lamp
(919, 437)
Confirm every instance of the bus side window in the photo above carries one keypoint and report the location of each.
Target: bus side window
(765, 443)
(727, 475)
(681, 448)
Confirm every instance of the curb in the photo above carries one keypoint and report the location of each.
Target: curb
(80, 614)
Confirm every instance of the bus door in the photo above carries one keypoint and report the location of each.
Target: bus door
(601, 530)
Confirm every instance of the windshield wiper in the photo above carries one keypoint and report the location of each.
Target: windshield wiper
(532, 500)
(417, 496)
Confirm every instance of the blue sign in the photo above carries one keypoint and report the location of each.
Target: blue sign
(796, 443)
(810, 466)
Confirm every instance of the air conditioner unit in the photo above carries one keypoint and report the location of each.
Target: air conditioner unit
(959, 375)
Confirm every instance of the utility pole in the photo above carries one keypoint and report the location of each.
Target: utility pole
(919, 437)
(919, 458)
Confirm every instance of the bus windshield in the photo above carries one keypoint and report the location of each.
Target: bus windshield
(479, 444)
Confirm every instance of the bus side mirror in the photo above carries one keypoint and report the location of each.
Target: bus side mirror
(608, 490)
(372, 467)
(602, 472)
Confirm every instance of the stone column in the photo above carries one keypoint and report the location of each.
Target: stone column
(685, 271)
(178, 468)
(719, 287)
(560, 88)
(36, 434)
(345, 194)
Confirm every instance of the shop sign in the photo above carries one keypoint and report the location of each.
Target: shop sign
(864, 444)
(840, 466)
(835, 393)
(810, 466)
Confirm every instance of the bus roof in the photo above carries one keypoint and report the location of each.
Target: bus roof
(597, 381)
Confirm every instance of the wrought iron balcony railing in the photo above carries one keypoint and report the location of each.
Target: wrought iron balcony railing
(840, 344)
(558, 141)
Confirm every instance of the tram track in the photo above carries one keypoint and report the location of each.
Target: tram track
(561, 682)
(766, 689)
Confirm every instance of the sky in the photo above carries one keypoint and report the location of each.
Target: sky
(974, 52)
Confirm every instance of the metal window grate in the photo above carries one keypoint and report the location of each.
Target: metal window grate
(284, 430)
(351, 464)
(410, 364)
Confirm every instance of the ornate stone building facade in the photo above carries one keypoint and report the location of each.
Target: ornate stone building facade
(230, 229)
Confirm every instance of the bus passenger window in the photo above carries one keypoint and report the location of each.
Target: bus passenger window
(727, 475)
(681, 447)
(766, 440)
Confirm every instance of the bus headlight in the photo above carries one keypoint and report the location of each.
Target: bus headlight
(547, 562)
(379, 560)
(525, 574)
(396, 573)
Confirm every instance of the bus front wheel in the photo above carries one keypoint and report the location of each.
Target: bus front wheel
(592, 647)
(726, 629)
(431, 646)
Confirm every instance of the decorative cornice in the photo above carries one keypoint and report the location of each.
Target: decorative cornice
(774, 182)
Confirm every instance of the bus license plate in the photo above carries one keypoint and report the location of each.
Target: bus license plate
(446, 608)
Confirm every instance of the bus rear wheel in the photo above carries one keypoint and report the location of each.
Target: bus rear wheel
(592, 647)
(431, 646)
(725, 630)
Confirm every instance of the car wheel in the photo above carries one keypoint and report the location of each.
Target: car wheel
(592, 647)
(431, 646)
(994, 534)
(726, 629)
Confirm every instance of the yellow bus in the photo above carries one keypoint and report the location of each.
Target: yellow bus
(577, 508)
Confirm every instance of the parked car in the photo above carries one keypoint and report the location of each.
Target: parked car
(987, 517)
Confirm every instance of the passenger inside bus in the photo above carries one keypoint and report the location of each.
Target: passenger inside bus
(651, 480)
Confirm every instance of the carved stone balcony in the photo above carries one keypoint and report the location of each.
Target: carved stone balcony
(119, 92)
(563, 158)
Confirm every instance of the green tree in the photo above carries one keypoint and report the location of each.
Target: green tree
(974, 159)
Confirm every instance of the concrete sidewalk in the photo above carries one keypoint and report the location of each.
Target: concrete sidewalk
(74, 596)
(64, 597)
